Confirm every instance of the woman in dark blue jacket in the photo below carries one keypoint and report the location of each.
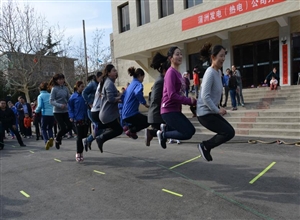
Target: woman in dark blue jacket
(78, 115)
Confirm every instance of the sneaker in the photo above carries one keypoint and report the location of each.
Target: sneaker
(178, 141)
(22, 145)
(100, 143)
(13, 137)
(125, 128)
(163, 127)
(148, 137)
(204, 152)
(86, 144)
(47, 146)
(161, 140)
(234, 109)
(50, 142)
(81, 157)
(243, 105)
(131, 135)
(57, 145)
(78, 157)
(171, 141)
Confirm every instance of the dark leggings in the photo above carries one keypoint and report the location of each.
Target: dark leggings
(82, 131)
(137, 122)
(216, 123)
(64, 124)
(114, 131)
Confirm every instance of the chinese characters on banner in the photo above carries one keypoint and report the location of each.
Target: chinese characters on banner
(226, 11)
(285, 63)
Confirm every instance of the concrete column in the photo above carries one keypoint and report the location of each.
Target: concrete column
(185, 59)
(229, 56)
(285, 38)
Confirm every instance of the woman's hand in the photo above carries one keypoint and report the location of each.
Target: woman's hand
(193, 100)
(222, 111)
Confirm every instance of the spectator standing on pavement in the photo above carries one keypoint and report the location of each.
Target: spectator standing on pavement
(196, 81)
(232, 85)
(14, 109)
(59, 97)
(27, 126)
(172, 99)
(161, 64)
(8, 121)
(36, 119)
(47, 119)
(109, 112)
(239, 95)
(132, 98)
(23, 108)
(208, 112)
(225, 85)
(186, 78)
(79, 116)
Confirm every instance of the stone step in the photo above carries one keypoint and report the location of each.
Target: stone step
(275, 133)
(262, 119)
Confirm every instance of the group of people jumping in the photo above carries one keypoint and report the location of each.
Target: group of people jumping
(112, 112)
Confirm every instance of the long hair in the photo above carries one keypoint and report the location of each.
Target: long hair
(207, 51)
(160, 63)
(107, 70)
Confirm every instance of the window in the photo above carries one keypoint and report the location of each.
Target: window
(124, 15)
(191, 3)
(144, 11)
(166, 8)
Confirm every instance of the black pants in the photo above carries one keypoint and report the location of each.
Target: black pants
(114, 131)
(216, 123)
(82, 131)
(226, 88)
(64, 124)
(15, 131)
(21, 125)
(137, 122)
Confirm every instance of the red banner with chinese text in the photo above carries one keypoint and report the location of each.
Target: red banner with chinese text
(285, 76)
(225, 11)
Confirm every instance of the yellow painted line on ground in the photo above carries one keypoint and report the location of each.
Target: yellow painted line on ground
(96, 171)
(31, 151)
(57, 160)
(262, 173)
(173, 193)
(184, 162)
(24, 194)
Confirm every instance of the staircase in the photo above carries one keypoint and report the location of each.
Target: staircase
(267, 114)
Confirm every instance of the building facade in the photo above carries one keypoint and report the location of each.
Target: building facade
(258, 34)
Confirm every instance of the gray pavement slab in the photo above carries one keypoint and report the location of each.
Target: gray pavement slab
(132, 181)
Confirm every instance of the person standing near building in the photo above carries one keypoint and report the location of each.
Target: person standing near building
(109, 112)
(8, 121)
(232, 86)
(186, 77)
(196, 81)
(208, 112)
(172, 99)
(23, 108)
(59, 98)
(47, 119)
(79, 116)
(161, 64)
(88, 95)
(225, 85)
(239, 95)
(14, 109)
(133, 97)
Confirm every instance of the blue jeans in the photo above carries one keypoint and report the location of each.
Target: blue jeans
(181, 128)
(232, 96)
(47, 127)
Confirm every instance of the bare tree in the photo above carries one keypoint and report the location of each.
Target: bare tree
(21, 34)
(98, 55)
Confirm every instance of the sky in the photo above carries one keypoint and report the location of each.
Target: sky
(70, 13)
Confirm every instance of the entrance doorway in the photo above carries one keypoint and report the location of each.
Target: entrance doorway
(255, 60)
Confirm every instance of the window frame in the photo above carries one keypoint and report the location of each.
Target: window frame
(143, 15)
(122, 10)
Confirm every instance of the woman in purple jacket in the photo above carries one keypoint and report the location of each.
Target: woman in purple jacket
(173, 98)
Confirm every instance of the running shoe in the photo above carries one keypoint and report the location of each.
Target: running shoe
(148, 137)
(161, 140)
(100, 143)
(78, 157)
(131, 135)
(204, 152)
